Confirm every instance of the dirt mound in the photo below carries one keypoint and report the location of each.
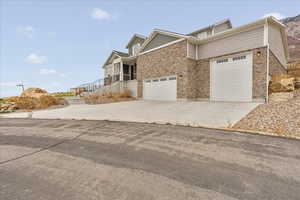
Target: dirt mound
(30, 99)
(34, 92)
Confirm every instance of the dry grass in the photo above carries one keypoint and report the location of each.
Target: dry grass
(27, 103)
(109, 97)
(31, 103)
(11, 99)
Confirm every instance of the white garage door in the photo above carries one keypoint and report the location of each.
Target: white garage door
(231, 79)
(164, 88)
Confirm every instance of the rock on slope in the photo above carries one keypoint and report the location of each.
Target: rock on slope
(293, 32)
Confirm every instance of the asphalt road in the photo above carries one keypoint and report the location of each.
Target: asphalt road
(82, 160)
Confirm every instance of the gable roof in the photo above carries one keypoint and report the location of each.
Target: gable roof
(163, 32)
(243, 28)
(133, 38)
(117, 53)
(211, 26)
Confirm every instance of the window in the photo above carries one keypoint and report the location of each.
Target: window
(172, 78)
(148, 81)
(163, 79)
(135, 49)
(155, 80)
(222, 60)
(239, 58)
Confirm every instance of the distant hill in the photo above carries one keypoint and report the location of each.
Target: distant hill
(293, 32)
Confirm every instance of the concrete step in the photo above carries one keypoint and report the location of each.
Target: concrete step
(75, 100)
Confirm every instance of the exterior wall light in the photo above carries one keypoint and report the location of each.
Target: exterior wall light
(258, 53)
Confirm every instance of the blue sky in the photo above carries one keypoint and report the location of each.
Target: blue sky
(59, 44)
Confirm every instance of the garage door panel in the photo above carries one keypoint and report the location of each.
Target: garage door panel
(231, 80)
(160, 89)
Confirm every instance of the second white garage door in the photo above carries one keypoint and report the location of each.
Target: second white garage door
(231, 79)
(164, 89)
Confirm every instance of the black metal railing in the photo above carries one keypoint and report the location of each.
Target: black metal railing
(92, 86)
(116, 77)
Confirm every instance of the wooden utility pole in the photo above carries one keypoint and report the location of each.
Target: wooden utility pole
(21, 85)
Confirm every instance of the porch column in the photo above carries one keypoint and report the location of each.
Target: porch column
(113, 72)
(121, 70)
(130, 66)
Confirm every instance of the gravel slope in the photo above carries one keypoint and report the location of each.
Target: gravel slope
(277, 118)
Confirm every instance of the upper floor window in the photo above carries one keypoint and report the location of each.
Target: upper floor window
(135, 49)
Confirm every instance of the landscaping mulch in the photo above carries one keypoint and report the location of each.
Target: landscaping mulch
(276, 118)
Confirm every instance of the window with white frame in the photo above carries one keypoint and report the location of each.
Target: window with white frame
(135, 49)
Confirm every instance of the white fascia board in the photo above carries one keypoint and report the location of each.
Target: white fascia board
(266, 34)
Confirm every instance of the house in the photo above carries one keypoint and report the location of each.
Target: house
(215, 63)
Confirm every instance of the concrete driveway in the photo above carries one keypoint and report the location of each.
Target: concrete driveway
(84, 160)
(210, 114)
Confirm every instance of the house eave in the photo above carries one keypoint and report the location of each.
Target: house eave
(236, 30)
(133, 37)
(163, 32)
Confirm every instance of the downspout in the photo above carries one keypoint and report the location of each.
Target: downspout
(266, 43)
(268, 66)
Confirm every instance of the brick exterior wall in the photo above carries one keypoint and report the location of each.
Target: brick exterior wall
(167, 61)
(193, 77)
(275, 67)
(203, 79)
(259, 89)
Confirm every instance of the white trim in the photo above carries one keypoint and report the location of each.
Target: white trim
(162, 46)
(266, 34)
(213, 30)
(197, 46)
(187, 50)
(121, 71)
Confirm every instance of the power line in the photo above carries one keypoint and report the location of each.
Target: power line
(21, 85)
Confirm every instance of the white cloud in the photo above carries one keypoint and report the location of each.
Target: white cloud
(100, 14)
(47, 71)
(62, 75)
(26, 31)
(35, 59)
(275, 14)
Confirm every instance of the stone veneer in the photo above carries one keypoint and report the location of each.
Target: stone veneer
(275, 67)
(193, 77)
